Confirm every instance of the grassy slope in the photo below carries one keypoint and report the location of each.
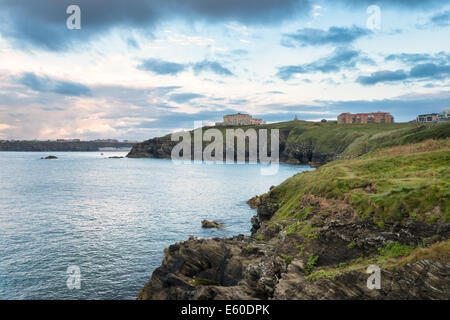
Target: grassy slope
(390, 184)
(387, 184)
(396, 181)
(351, 140)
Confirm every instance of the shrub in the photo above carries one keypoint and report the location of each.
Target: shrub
(312, 261)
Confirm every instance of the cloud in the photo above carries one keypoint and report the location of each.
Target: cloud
(42, 23)
(411, 4)
(430, 70)
(184, 97)
(408, 58)
(420, 71)
(163, 67)
(318, 37)
(382, 76)
(441, 19)
(341, 58)
(132, 43)
(212, 66)
(46, 84)
(159, 66)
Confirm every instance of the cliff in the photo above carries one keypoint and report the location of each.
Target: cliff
(305, 142)
(315, 235)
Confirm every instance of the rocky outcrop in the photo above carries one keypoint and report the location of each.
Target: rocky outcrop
(211, 224)
(294, 153)
(271, 264)
(423, 279)
(153, 148)
(49, 158)
(235, 268)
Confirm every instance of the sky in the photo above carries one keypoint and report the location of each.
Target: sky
(137, 69)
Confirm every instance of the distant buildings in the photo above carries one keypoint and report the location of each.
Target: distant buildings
(374, 117)
(434, 117)
(239, 119)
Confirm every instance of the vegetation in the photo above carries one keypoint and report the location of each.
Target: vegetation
(393, 256)
(287, 258)
(305, 141)
(395, 249)
(312, 261)
(203, 282)
(409, 181)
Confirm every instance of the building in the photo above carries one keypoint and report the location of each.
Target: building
(374, 117)
(434, 117)
(239, 119)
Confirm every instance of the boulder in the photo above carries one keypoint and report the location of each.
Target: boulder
(211, 224)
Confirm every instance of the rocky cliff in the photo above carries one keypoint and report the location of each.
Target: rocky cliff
(315, 235)
(303, 142)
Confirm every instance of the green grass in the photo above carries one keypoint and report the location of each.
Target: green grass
(348, 141)
(203, 282)
(287, 258)
(311, 263)
(395, 249)
(411, 181)
(391, 257)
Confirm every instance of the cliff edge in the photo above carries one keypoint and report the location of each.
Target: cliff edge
(315, 235)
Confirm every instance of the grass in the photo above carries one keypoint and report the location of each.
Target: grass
(388, 185)
(395, 249)
(395, 255)
(311, 263)
(196, 282)
(348, 141)
(287, 258)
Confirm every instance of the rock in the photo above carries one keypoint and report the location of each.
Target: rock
(278, 266)
(254, 202)
(49, 158)
(115, 157)
(211, 224)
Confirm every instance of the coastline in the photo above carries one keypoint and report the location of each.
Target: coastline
(314, 244)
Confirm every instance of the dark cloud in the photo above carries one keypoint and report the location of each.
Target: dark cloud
(212, 66)
(184, 97)
(43, 23)
(428, 71)
(318, 37)
(46, 84)
(441, 19)
(341, 58)
(382, 76)
(413, 4)
(161, 67)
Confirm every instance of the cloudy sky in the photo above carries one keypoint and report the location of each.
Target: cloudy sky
(142, 68)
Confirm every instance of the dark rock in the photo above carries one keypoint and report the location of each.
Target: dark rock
(49, 158)
(211, 224)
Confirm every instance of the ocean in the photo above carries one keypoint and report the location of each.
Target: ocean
(111, 218)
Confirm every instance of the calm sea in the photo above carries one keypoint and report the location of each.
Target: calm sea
(111, 217)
